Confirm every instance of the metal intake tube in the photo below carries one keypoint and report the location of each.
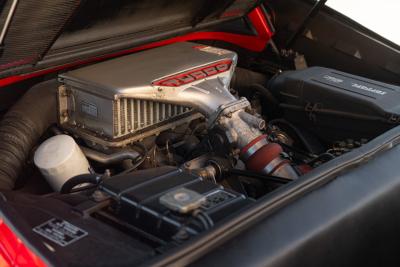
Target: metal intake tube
(211, 97)
(262, 156)
(243, 130)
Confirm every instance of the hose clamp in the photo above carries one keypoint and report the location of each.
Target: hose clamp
(253, 149)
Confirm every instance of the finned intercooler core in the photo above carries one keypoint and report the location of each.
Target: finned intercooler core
(132, 115)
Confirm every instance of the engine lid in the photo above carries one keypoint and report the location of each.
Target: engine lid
(63, 31)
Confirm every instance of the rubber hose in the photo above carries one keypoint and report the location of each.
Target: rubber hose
(107, 159)
(246, 81)
(243, 77)
(272, 101)
(21, 128)
(80, 179)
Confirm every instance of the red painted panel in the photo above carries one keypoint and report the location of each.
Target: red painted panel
(13, 252)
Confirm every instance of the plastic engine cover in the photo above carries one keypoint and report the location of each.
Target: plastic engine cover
(324, 99)
(139, 200)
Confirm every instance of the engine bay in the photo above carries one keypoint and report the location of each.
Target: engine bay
(164, 144)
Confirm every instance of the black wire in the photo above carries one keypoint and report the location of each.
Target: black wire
(209, 220)
(203, 221)
(203, 217)
(141, 160)
(296, 131)
(298, 151)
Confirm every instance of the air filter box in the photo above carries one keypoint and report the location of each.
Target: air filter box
(169, 203)
(326, 100)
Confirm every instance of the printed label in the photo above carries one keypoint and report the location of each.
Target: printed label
(60, 232)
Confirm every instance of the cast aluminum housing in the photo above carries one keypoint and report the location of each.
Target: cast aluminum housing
(128, 98)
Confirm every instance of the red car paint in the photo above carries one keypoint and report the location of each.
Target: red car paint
(253, 43)
(13, 252)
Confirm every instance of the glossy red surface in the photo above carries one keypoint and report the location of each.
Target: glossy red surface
(13, 252)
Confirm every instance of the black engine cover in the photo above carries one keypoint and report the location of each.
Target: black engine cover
(325, 100)
(138, 201)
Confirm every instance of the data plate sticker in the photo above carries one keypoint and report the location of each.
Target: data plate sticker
(213, 50)
(60, 232)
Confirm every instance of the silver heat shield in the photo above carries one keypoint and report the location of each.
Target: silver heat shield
(127, 98)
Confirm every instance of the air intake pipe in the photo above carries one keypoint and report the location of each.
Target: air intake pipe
(21, 128)
(259, 155)
(206, 89)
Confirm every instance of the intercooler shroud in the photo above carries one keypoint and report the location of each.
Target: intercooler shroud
(115, 123)
(123, 100)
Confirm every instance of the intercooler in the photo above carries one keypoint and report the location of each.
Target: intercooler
(118, 122)
(132, 115)
(119, 101)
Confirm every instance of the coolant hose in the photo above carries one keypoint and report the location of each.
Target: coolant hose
(242, 78)
(21, 128)
(264, 157)
(247, 82)
(107, 159)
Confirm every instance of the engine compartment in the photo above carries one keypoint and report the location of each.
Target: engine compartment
(162, 145)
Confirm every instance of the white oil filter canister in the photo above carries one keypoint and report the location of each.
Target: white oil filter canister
(59, 158)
